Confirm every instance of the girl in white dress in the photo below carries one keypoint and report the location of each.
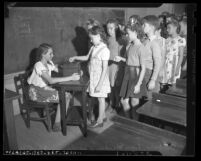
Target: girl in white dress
(99, 85)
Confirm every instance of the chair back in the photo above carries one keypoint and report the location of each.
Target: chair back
(21, 84)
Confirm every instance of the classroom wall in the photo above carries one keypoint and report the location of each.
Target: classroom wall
(169, 7)
(27, 27)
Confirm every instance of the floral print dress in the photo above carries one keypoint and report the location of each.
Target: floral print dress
(171, 58)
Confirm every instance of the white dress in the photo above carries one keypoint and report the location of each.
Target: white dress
(98, 55)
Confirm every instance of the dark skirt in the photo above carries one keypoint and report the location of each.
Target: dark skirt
(130, 79)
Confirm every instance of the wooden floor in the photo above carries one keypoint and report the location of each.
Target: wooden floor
(129, 135)
(118, 134)
(38, 138)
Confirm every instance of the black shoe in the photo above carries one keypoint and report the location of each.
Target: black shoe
(56, 127)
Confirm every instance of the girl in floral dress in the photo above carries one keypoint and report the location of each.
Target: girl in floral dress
(174, 52)
(40, 81)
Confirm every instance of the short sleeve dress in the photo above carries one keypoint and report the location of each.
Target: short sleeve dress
(98, 55)
(171, 58)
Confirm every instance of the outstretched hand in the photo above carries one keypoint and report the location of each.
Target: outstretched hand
(72, 59)
(117, 59)
(75, 76)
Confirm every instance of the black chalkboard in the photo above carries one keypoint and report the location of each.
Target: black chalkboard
(64, 28)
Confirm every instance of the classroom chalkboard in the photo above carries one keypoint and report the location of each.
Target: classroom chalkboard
(65, 28)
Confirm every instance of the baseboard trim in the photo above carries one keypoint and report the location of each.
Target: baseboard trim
(12, 75)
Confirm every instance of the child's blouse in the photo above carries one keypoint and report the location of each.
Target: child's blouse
(36, 76)
(136, 55)
(149, 60)
(173, 44)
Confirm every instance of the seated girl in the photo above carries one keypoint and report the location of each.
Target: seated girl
(40, 81)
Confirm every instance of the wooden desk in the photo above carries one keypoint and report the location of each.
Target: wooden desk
(73, 117)
(176, 91)
(9, 121)
(164, 111)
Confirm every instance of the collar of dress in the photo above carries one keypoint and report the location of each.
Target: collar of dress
(152, 37)
(99, 45)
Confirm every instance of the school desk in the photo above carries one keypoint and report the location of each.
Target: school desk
(164, 111)
(167, 108)
(9, 122)
(177, 91)
(76, 115)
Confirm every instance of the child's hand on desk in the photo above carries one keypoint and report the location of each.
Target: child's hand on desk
(72, 59)
(117, 58)
(75, 76)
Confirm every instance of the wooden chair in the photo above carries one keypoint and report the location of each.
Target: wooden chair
(27, 106)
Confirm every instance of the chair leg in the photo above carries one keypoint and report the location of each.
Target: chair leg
(49, 125)
(28, 118)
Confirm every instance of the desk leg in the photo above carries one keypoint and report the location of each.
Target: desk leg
(84, 112)
(63, 110)
(10, 125)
